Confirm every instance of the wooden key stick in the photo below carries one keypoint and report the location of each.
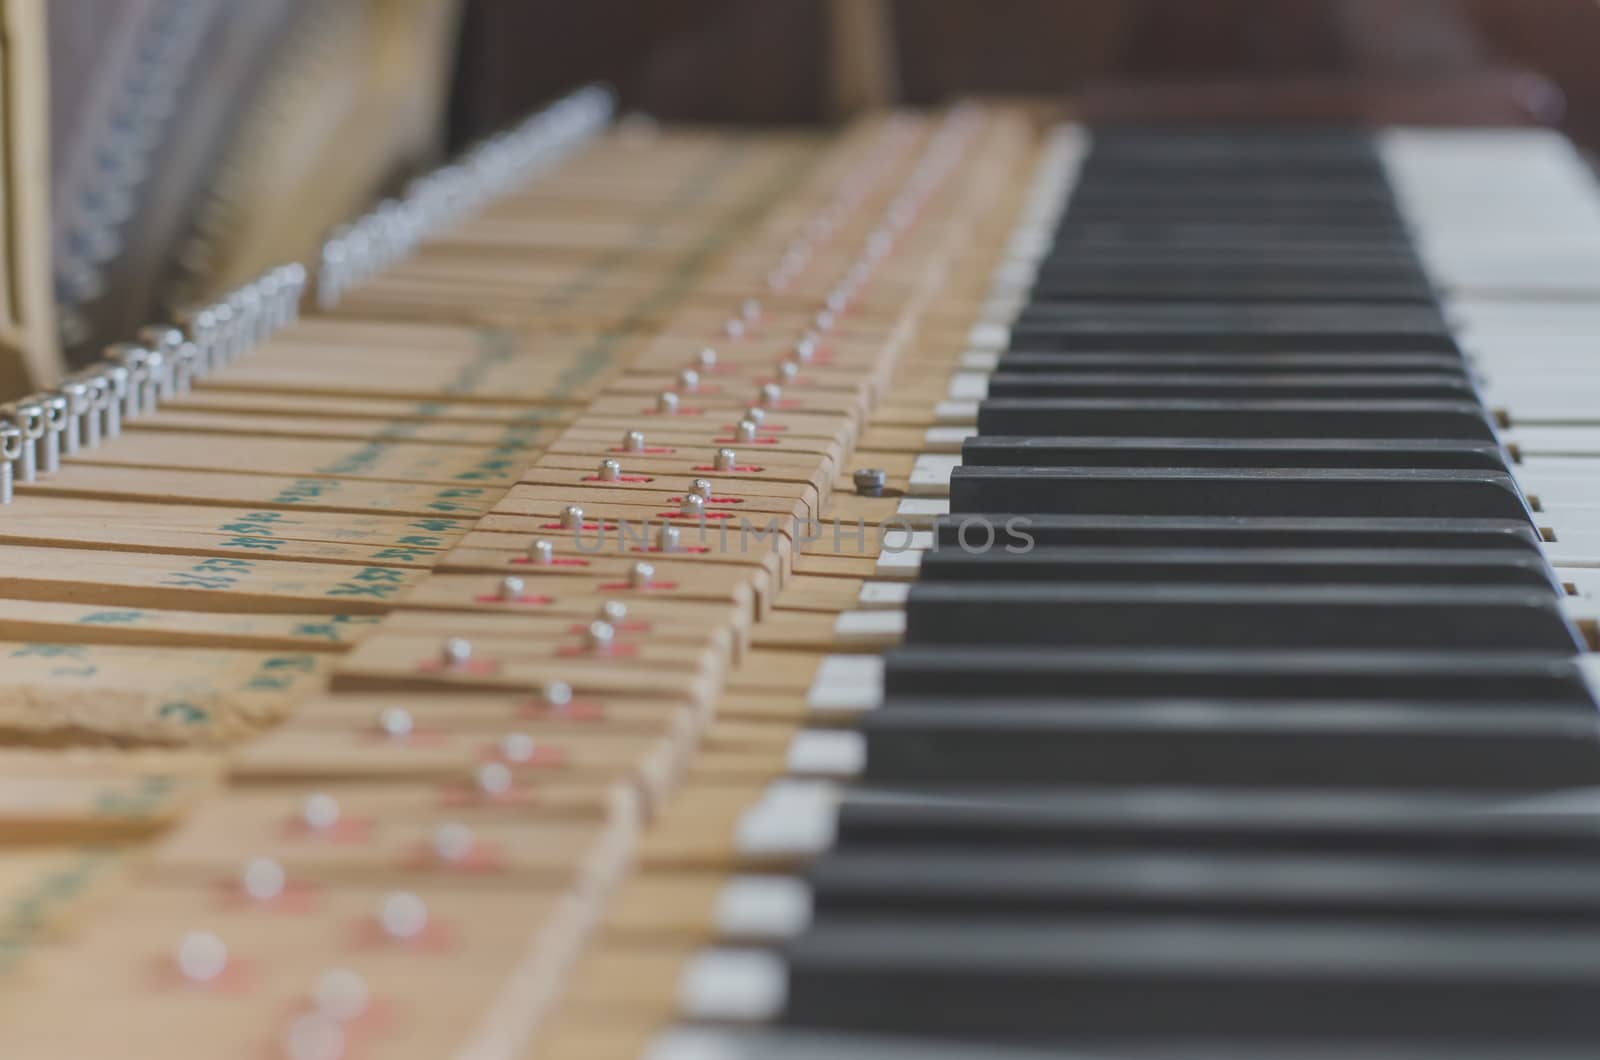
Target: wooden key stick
(72, 623)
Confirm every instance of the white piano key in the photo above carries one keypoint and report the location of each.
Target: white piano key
(763, 907)
(920, 512)
(793, 818)
(881, 596)
(733, 985)
(1536, 441)
(930, 475)
(978, 361)
(902, 564)
(946, 439)
(956, 413)
(969, 386)
(988, 336)
(880, 629)
(834, 753)
(847, 684)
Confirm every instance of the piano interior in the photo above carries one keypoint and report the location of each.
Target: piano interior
(890, 531)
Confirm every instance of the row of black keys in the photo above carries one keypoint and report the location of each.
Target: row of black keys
(1272, 741)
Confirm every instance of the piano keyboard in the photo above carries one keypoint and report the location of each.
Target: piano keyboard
(942, 590)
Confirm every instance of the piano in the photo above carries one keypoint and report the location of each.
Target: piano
(961, 586)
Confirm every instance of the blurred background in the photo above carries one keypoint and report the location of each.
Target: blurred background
(190, 143)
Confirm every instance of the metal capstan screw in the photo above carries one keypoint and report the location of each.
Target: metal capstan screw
(870, 481)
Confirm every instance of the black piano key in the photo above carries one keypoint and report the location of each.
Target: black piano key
(1236, 616)
(1001, 450)
(957, 532)
(1105, 743)
(1303, 492)
(1180, 417)
(982, 561)
(1409, 822)
(1252, 386)
(949, 881)
(1019, 361)
(1062, 980)
(1005, 672)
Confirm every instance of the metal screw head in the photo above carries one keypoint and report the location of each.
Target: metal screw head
(202, 956)
(688, 380)
(542, 553)
(870, 481)
(640, 575)
(750, 309)
(613, 611)
(557, 693)
(396, 722)
(457, 651)
(452, 842)
(746, 431)
(734, 328)
(610, 470)
(667, 402)
(824, 320)
(771, 394)
(494, 778)
(633, 441)
(341, 994)
(806, 349)
(707, 358)
(263, 879)
(511, 589)
(572, 517)
(701, 487)
(692, 505)
(403, 915)
(787, 370)
(667, 539)
(601, 635)
(725, 460)
(517, 747)
(320, 811)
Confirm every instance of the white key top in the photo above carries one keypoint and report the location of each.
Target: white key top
(847, 684)
(870, 629)
(946, 439)
(930, 475)
(956, 413)
(884, 596)
(969, 386)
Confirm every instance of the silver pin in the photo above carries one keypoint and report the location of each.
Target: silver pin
(755, 414)
(667, 538)
(541, 553)
(263, 879)
(517, 747)
(10, 452)
(870, 481)
(29, 418)
(202, 957)
(692, 505)
(403, 915)
(314, 1036)
(725, 460)
(614, 611)
(610, 471)
(667, 403)
(341, 994)
(320, 811)
(559, 693)
(771, 394)
(806, 349)
(600, 636)
(134, 360)
(157, 375)
(688, 380)
(494, 778)
(512, 589)
(746, 431)
(452, 842)
(824, 321)
(457, 652)
(734, 328)
(633, 442)
(642, 575)
(701, 487)
(572, 517)
(707, 358)
(79, 396)
(787, 370)
(55, 424)
(117, 386)
(396, 722)
(750, 309)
